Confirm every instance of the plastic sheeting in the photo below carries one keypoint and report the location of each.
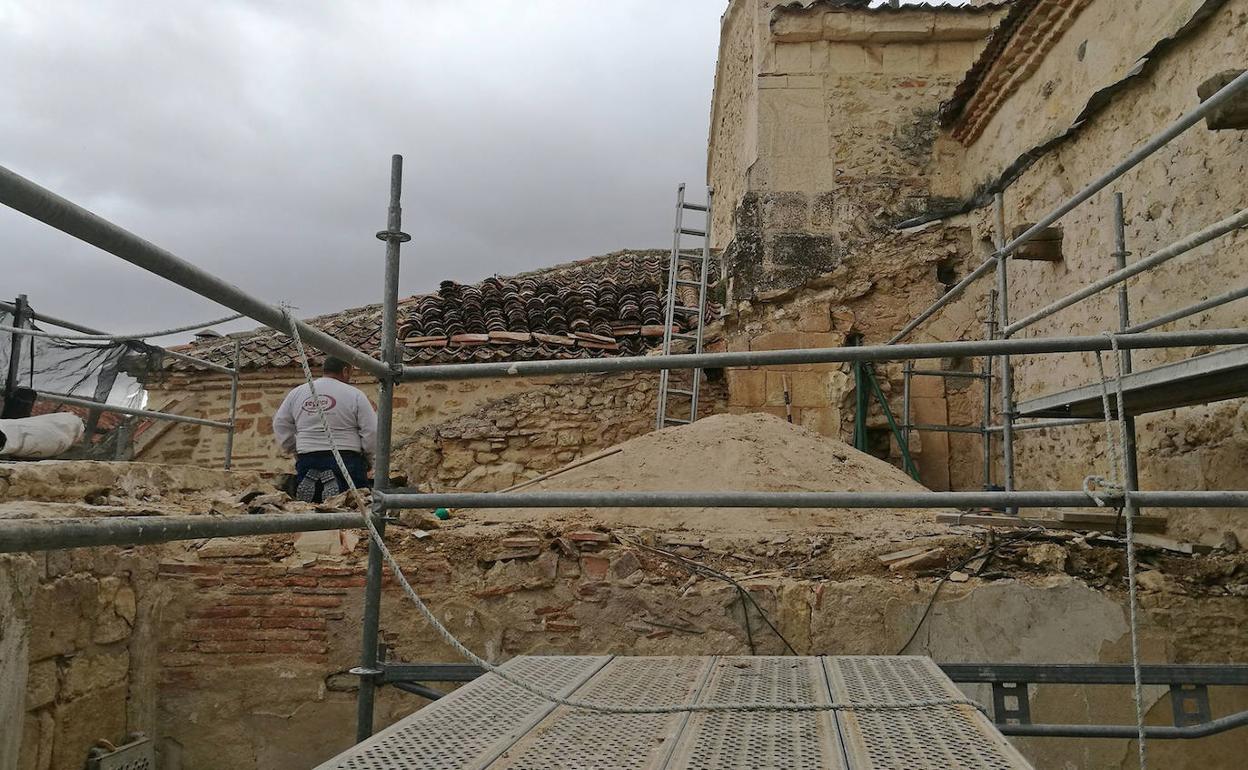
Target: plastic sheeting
(100, 371)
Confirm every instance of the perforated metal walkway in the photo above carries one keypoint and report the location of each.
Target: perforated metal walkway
(490, 723)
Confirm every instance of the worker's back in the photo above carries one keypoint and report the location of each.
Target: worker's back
(351, 418)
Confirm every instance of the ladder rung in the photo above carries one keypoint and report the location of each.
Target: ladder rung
(688, 231)
(683, 282)
(694, 206)
(681, 392)
(691, 254)
(676, 420)
(681, 336)
(683, 309)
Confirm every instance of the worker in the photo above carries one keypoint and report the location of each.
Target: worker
(299, 431)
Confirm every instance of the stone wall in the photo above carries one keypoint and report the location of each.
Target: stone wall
(76, 661)
(416, 407)
(815, 153)
(234, 652)
(863, 301)
(523, 435)
(841, 139)
(1194, 181)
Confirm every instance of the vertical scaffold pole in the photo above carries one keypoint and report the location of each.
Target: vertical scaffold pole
(229, 435)
(1132, 480)
(990, 331)
(393, 236)
(1007, 375)
(906, 422)
(15, 346)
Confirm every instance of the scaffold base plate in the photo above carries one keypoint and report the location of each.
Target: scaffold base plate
(490, 723)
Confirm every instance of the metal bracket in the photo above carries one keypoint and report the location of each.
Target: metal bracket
(1190, 704)
(370, 673)
(1010, 703)
(393, 235)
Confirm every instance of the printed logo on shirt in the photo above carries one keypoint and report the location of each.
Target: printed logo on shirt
(327, 404)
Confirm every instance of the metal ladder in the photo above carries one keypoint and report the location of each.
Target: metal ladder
(681, 386)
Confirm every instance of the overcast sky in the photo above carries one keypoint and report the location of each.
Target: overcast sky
(253, 139)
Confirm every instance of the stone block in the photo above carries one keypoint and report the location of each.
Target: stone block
(822, 339)
(776, 341)
(42, 683)
(784, 210)
(61, 617)
(825, 421)
(793, 57)
(903, 59)
(810, 389)
(795, 28)
(90, 672)
(846, 57)
(815, 317)
(777, 382)
(747, 387)
(83, 721)
(1233, 113)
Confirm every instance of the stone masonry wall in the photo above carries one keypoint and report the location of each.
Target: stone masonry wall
(523, 435)
(863, 301)
(583, 411)
(234, 652)
(77, 667)
(1194, 181)
(843, 134)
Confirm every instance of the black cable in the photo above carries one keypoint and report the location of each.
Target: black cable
(931, 602)
(745, 613)
(697, 567)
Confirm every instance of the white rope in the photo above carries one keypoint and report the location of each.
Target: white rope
(550, 697)
(1117, 484)
(118, 337)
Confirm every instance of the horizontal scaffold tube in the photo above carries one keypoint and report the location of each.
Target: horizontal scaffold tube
(1161, 732)
(1176, 249)
(1199, 338)
(50, 534)
(42, 204)
(88, 404)
(1190, 310)
(11, 308)
(596, 499)
(1131, 161)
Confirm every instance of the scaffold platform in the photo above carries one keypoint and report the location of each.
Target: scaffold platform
(490, 723)
(1198, 380)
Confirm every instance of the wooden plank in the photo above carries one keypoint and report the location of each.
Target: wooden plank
(1169, 544)
(889, 558)
(1107, 520)
(1143, 523)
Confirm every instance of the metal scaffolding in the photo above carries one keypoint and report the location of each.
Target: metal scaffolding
(22, 314)
(45, 206)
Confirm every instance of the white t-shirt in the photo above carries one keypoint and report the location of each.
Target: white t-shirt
(351, 418)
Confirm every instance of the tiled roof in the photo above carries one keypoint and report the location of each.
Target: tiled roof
(1019, 43)
(604, 306)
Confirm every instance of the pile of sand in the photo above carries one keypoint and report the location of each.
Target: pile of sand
(754, 452)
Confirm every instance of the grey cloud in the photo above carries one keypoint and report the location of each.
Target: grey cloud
(253, 138)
